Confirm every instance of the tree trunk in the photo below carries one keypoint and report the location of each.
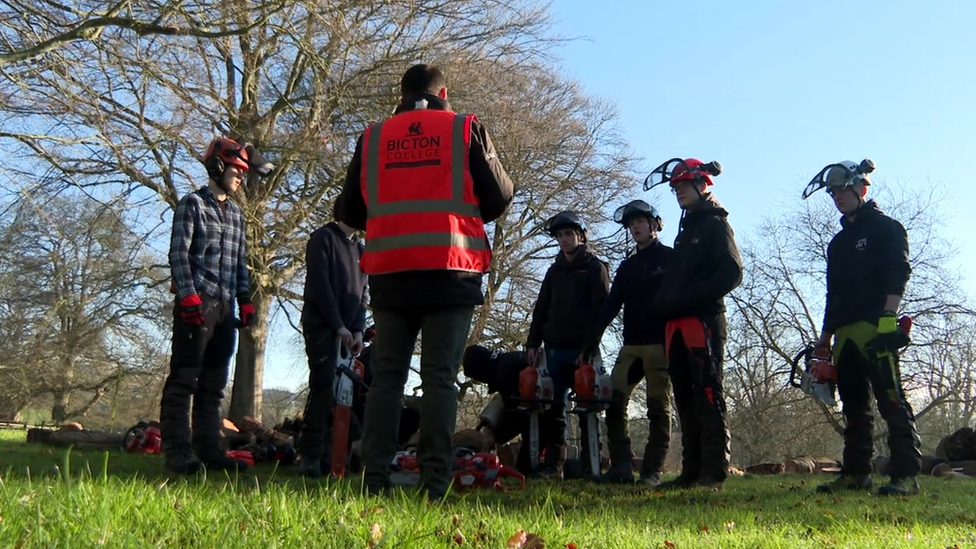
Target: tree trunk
(248, 390)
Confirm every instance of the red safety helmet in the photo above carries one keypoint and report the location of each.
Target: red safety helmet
(223, 152)
(682, 169)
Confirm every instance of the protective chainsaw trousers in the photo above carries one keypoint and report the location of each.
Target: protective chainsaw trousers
(859, 374)
(696, 349)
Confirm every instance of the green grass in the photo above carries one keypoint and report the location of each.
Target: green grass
(50, 497)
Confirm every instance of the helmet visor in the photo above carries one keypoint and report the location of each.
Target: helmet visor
(679, 169)
(634, 208)
(839, 176)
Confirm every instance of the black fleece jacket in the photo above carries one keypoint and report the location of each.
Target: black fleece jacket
(866, 261)
(571, 296)
(335, 287)
(634, 287)
(411, 289)
(705, 266)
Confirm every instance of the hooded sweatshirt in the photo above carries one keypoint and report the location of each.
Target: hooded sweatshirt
(704, 267)
(571, 296)
(866, 261)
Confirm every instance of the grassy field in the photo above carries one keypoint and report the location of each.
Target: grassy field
(53, 498)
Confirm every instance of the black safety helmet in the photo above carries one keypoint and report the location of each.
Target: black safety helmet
(562, 220)
(637, 208)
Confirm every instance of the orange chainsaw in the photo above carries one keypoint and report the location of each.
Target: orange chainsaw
(348, 378)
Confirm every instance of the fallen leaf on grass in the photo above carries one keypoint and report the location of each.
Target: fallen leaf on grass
(375, 534)
(703, 528)
(517, 541)
(571, 545)
(534, 541)
(456, 520)
(729, 526)
(909, 536)
(372, 511)
(669, 544)
(458, 537)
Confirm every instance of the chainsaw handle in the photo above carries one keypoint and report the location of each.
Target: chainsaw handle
(508, 472)
(795, 363)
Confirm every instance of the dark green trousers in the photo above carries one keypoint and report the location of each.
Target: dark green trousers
(445, 332)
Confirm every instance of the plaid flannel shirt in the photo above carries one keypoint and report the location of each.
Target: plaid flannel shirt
(207, 252)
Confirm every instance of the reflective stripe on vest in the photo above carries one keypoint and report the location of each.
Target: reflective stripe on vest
(436, 233)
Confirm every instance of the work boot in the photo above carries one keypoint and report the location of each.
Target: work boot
(649, 480)
(310, 467)
(846, 482)
(618, 474)
(180, 460)
(553, 463)
(681, 482)
(707, 483)
(215, 459)
(900, 486)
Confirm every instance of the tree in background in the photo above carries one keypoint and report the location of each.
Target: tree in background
(76, 320)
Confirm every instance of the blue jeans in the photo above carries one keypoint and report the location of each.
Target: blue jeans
(562, 366)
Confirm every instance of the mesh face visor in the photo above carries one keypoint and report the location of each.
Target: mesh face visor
(839, 176)
(678, 169)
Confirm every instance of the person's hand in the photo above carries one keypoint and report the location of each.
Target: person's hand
(357, 343)
(191, 309)
(346, 336)
(890, 338)
(246, 309)
(530, 355)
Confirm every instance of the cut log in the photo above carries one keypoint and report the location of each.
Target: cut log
(85, 440)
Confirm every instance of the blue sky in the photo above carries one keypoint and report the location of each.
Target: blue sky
(775, 90)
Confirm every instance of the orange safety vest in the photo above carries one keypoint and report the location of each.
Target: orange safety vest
(421, 210)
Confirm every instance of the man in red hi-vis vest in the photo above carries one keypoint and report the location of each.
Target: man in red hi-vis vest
(422, 183)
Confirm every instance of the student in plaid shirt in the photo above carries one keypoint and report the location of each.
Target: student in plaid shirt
(208, 261)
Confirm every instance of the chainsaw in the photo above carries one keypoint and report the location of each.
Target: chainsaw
(536, 394)
(143, 438)
(592, 395)
(471, 470)
(818, 376)
(348, 376)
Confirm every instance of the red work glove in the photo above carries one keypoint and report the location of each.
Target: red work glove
(246, 309)
(191, 308)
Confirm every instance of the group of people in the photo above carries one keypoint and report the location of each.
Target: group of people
(422, 184)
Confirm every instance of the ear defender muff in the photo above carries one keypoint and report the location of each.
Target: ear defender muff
(215, 167)
(864, 190)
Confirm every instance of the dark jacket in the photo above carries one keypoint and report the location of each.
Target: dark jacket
(571, 296)
(866, 261)
(634, 287)
(505, 370)
(705, 265)
(444, 288)
(334, 284)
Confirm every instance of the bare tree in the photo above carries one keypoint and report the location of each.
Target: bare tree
(33, 29)
(127, 115)
(82, 294)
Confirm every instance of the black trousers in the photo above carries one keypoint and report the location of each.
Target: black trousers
(320, 347)
(198, 371)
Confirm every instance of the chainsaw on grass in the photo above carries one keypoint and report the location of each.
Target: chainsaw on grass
(471, 470)
(349, 375)
(592, 394)
(536, 394)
